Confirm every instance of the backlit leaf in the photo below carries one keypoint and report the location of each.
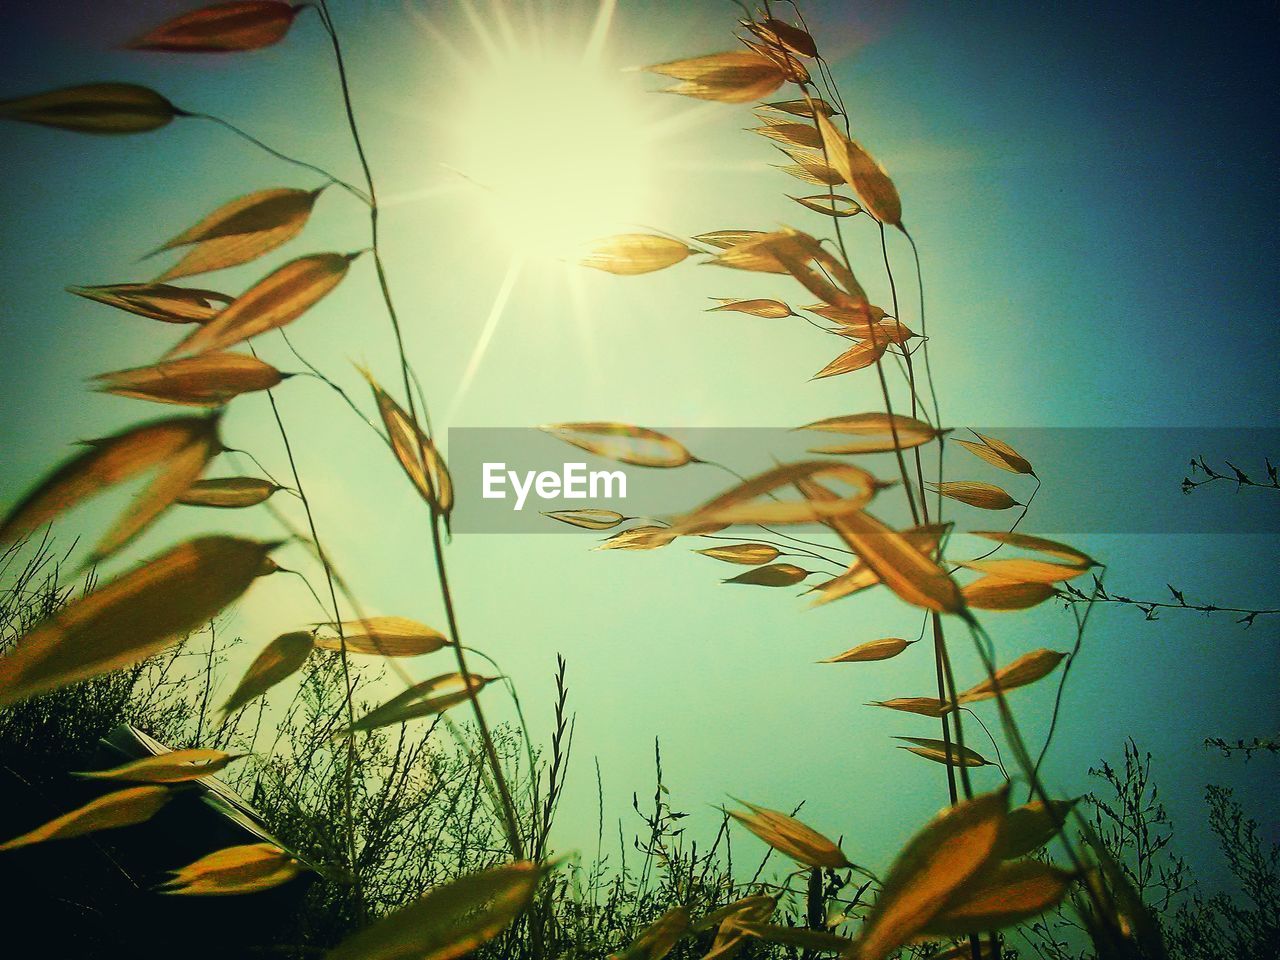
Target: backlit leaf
(738, 504)
(417, 452)
(859, 576)
(898, 562)
(639, 446)
(749, 554)
(180, 447)
(783, 35)
(858, 319)
(449, 921)
(831, 205)
(857, 168)
(242, 230)
(1031, 826)
(792, 69)
(792, 134)
(812, 171)
(1027, 571)
(936, 750)
(791, 837)
(228, 492)
(730, 936)
(997, 593)
(888, 330)
(769, 309)
(1050, 547)
(123, 808)
(998, 454)
(648, 537)
(1015, 460)
(274, 301)
(819, 941)
(910, 432)
(749, 250)
(208, 380)
(132, 617)
(759, 906)
(934, 864)
(171, 480)
(857, 357)
(801, 108)
(383, 636)
(774, 575)
(590, 519)
(808, 261)
(222, 28)
(174, 766)
(628, 254)
(283, 657)
(1028, 668)
(697, 68)
(656, 940)
(766, 512)
(924, 706)
(984, 496)
(94, 108)
(424, 699)
(158, 301)
(234, 870)
(871, 650)
(724, 239)
(1001, 895)
(736, 76)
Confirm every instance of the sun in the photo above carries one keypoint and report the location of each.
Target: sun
(556, 148)
(552, 144)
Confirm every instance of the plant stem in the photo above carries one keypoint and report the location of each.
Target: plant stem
(941, 658)
(358, 194)
(349, 772)
(499, 779)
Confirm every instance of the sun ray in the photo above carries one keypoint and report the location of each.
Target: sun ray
(505, 27)
(481, 30)
(422, 194)
(586, 327)
(442, 40)
(486, 336)
(594, 48)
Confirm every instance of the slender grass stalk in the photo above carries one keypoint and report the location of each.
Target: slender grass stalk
(942, 659)
(499, 779)
(352, 758)
(279, 155)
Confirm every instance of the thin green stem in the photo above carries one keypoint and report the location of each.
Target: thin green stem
(228, 125)
(348, 780)
(499, 779)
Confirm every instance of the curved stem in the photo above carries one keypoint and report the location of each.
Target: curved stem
(994, 744)
(741, 479)
(349, 771)
(942, 661)
(245, 135)
(499, 779)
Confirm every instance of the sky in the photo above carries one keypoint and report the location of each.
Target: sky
(1092, 189)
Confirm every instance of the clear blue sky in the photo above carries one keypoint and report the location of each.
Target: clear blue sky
(1093, 190)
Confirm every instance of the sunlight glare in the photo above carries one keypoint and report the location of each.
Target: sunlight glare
(557, 150)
